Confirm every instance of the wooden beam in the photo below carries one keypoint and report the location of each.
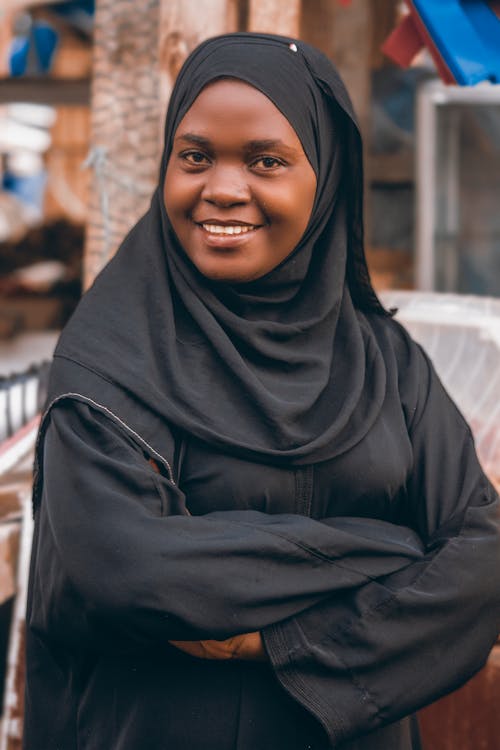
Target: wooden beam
(275, 16)
(45, 90)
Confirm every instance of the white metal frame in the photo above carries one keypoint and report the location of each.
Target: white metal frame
(430, 98)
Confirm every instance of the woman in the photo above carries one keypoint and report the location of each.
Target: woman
(260, 520)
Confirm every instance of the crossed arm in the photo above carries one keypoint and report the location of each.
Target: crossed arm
(351, 608)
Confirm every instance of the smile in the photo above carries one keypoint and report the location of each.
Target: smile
(229, 230)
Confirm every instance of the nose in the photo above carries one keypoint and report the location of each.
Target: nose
(225, 186)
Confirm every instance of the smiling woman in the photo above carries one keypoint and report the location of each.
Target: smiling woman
(250, 483)
(239, 189)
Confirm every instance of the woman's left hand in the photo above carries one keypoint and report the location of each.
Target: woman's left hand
(246, 647)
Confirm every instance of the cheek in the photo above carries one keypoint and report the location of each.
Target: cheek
(290, 206)
(178, 194)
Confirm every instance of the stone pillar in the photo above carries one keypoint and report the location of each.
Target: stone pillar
(124, 124)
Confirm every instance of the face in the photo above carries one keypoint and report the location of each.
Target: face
(239, 189)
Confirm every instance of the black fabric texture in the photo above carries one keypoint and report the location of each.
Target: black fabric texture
(118, 569)
(281, 368)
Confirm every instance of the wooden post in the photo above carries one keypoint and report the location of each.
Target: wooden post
(183, 25)
(385, 18)
(352, 47)
(275, 16)
(345, 34)
(125, 124)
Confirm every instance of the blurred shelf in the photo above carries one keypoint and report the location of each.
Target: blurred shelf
(45, 90)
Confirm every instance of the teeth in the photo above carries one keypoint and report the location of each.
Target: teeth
(234, 229)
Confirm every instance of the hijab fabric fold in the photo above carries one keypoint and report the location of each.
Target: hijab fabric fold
(283, 369)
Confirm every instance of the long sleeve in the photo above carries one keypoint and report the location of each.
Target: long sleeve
(369, 657)
(115, 553)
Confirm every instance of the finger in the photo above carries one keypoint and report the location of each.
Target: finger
(193, 648)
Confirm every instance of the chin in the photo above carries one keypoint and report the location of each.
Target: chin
(227, 276)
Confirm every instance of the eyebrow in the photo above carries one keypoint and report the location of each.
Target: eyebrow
(268, 144)
(250, 148)
(197, 140)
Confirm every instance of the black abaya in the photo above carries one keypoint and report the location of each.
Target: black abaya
(276, 456)
(118, 569)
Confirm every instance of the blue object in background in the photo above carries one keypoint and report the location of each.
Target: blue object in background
(45, 42)
(466, 34)
(19, 55)
(29, 189)
(33, 52)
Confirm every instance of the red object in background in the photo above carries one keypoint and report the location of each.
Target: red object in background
(468, 718)
(495, 7)
(408, 38)
(404, 42)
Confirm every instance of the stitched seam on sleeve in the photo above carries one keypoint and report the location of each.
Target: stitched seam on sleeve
(104, 410)
(314, 701)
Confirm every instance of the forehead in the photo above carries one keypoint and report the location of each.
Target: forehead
(231, 108)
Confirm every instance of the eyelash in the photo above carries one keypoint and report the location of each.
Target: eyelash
(188, 158)
(188, 155)
(277, 162)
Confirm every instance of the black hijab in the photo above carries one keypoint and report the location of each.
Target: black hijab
(283, 369)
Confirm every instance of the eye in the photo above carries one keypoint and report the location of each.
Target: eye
(195, 158)
(267, 163)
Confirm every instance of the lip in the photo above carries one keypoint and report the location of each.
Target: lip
(227, 222)
(223, 241)
(227, 241)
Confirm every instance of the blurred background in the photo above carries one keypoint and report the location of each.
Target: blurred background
(83, 90)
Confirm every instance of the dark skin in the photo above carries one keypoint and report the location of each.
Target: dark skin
(246, 647)
(239, 189)
(239, 192)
